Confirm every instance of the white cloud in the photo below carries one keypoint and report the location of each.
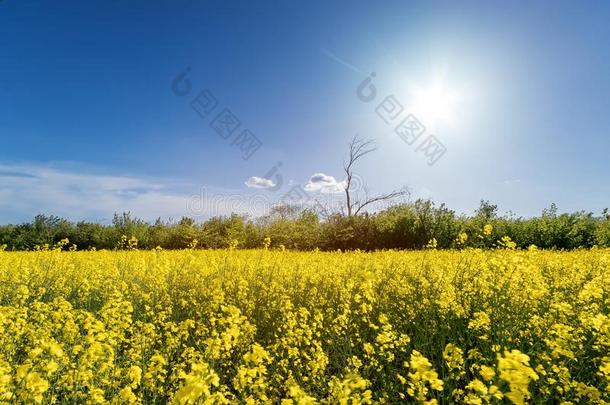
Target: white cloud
(324, 183)
(79, 194)
(259, 182)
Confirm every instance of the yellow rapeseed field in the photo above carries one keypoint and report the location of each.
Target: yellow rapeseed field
(265, 326)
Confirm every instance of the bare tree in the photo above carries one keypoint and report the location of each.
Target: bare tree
(359, 148)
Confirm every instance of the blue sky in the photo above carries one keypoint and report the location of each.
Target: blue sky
(517, 94)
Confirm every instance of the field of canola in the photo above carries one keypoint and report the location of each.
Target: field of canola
(264, 326)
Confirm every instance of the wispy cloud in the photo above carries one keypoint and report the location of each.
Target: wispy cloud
(333, 56)
(28, 189)
(31, 189)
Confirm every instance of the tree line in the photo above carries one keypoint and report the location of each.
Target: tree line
(414, 225)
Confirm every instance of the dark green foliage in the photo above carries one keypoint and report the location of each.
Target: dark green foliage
(403, 226)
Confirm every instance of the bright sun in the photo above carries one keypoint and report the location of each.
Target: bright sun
(435, 104)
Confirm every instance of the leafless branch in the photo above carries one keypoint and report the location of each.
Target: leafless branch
(383, 197)
(359, 148)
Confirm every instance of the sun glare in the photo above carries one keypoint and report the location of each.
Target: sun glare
(435, 104)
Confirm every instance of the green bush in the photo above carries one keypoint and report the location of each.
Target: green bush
(402, 226)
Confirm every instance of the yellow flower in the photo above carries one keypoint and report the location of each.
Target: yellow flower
(198, 384)
(421, 377)
(254, 326)
(128, 396)
(487, 229)
(51, 367)
(462, 238)
(515, 370)
(487, 373)
(36, 386)
(135, 374)
(454, 357)
(480, 323)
